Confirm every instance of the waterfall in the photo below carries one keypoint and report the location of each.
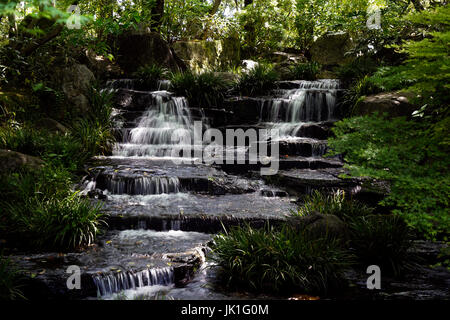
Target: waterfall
(311, 101)
(163, 127)
(143, 185)
(110, 283)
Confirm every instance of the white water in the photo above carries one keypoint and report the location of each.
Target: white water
(164, 126)
(312, 101)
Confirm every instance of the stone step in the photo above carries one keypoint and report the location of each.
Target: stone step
(284, 163)
(304, 181)
(138, 180)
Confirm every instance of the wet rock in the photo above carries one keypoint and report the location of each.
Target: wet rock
(11, 161)
(303, 181)
(320, 225)
(395, 104)
(273, 193)
(302, 147)
(132, 100)
(97, 194)
(245, 110)
(429, 252)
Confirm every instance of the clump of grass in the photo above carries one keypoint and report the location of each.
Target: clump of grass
(333, 203)
(305, 71)
(279, 261)
(40, 207)
(204, 89)
(94, 130)
(9, 281)
(149, 75)
(357, 92)
(384, 241)
(258, 81)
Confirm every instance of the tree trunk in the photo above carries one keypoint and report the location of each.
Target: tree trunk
(157, 15)
(417, 5)
(215, 7)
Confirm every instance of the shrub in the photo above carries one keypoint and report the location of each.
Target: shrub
(149, 75)
(40, 207)
(384, 241)
(356, 69)
(334, 203)
(306, 71)
(9, 280)
(277, 260)
(204, 90)
(258, 81)
(94, 130)
(357, 91)
(427, 66)
(412, 155)
(70, 222)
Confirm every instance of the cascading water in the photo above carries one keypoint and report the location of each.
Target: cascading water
(160, 131)
(143, 185)
(110, 283)
(311, 101)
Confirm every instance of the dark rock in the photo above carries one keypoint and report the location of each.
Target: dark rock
(139, 48)
(303, 181)
(273, 193)
(320, 225)
(51, 125)
(11, 161)
(245, 110)
(395, 104)
(76, 83)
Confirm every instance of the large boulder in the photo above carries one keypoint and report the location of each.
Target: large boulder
(330, 49)
(321, 225)
(202, 55)
(395, 104)
(77, 80)
(51, 125)
(11, 161)
(140, 47)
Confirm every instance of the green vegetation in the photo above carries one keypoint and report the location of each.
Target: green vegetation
(149, 75)
(306, 71)
(279, 260)
(203, 90)
(412, 155)
(335, 203)
(10, 278)
(258, 81)
(384, 241)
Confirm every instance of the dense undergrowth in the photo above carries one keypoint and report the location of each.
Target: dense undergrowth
(290, 259)
(41, 209)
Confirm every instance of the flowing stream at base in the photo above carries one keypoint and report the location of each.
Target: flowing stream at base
(142, 188)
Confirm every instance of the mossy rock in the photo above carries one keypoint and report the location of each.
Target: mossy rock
(331, 48)
(11, 161)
